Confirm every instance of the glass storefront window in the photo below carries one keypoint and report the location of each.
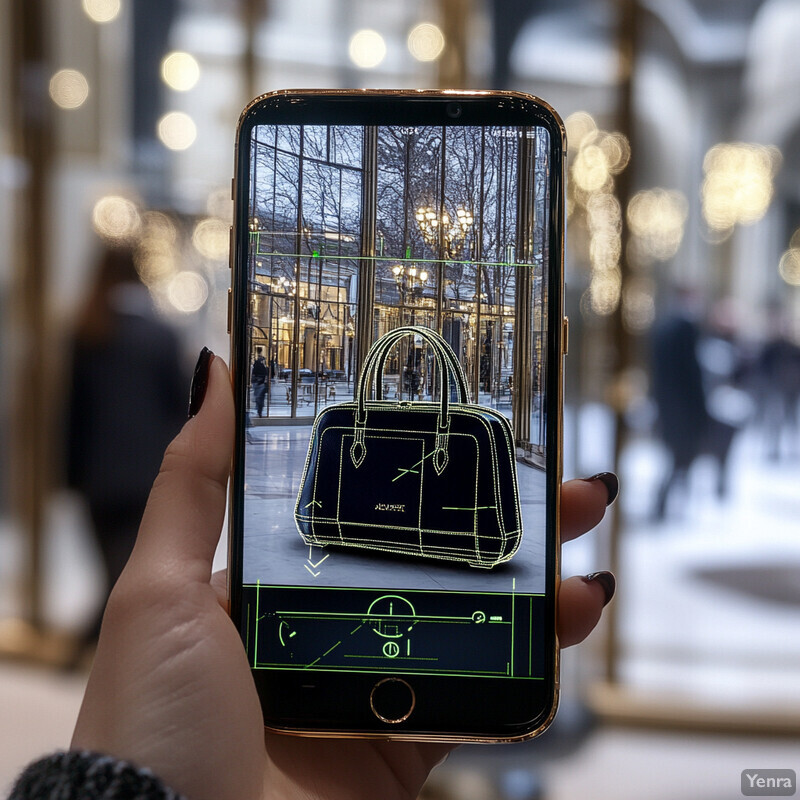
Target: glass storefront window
(434, 220)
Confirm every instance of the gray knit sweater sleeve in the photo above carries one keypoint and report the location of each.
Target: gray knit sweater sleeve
(79, 775)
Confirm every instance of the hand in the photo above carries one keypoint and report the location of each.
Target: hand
(171, 688)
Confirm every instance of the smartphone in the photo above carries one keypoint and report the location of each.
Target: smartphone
(432, 223)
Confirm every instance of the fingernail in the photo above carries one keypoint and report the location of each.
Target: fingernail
(607, 582)
(610, 481)
(199, 382)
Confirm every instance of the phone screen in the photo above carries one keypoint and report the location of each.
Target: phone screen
(350, 230)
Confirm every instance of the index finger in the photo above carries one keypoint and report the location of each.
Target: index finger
(183, 519)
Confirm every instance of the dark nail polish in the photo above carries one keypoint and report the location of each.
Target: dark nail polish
(610, 481)
(607, 582)
(199, 381)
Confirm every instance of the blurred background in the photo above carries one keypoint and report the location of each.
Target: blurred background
(117, 122)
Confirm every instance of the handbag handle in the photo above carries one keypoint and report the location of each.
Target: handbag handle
(378, 353)
(434, 340)
(374, 361)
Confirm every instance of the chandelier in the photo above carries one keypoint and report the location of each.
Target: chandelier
(451, 231)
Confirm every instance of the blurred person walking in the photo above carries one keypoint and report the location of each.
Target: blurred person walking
(678, 392)
(127, 400)
(724, 367)
(778, 379)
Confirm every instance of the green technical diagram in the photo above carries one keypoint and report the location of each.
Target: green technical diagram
(407, 632)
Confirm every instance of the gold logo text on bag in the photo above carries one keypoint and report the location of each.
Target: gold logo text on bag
(390, 507)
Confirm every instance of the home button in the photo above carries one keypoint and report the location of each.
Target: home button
(392, 700)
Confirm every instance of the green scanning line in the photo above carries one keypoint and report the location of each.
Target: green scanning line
(322, 656)
(374, 589)
(344, 615)
(411, 468)
(459, 508)
(394, 260)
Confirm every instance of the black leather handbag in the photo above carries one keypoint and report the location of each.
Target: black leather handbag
(432, 479)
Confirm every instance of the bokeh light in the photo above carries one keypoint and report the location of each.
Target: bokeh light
(591, 170)
(155, 260)
(789, 266)
(102, 11)
(638, 305)
(596, 156)
(581, 128)
(425, 41)
(180, 71)
(177, 130)
(604, 291)
(603, 213)
(657, 218)
(605, 248)
(367, 49)
(616, 149)
(156, 256)
(116, 219)
(604, 219)
(159, 225)
(211, 238)
(737, 188)
(69, 88)
(187, 292)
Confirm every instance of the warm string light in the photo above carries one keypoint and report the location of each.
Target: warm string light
(597, 156)
(426, 42)
(789, 264)
(154, 237)
(737, 187)
(210, 238)
(102, 11)
(367, 49)
(69, 89)
(177, 130)
(656, 218)
(180, 71)
(116, 219)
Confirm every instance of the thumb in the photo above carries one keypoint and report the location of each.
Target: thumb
(182, 522)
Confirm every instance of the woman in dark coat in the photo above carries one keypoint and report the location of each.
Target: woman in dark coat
(127, 400)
